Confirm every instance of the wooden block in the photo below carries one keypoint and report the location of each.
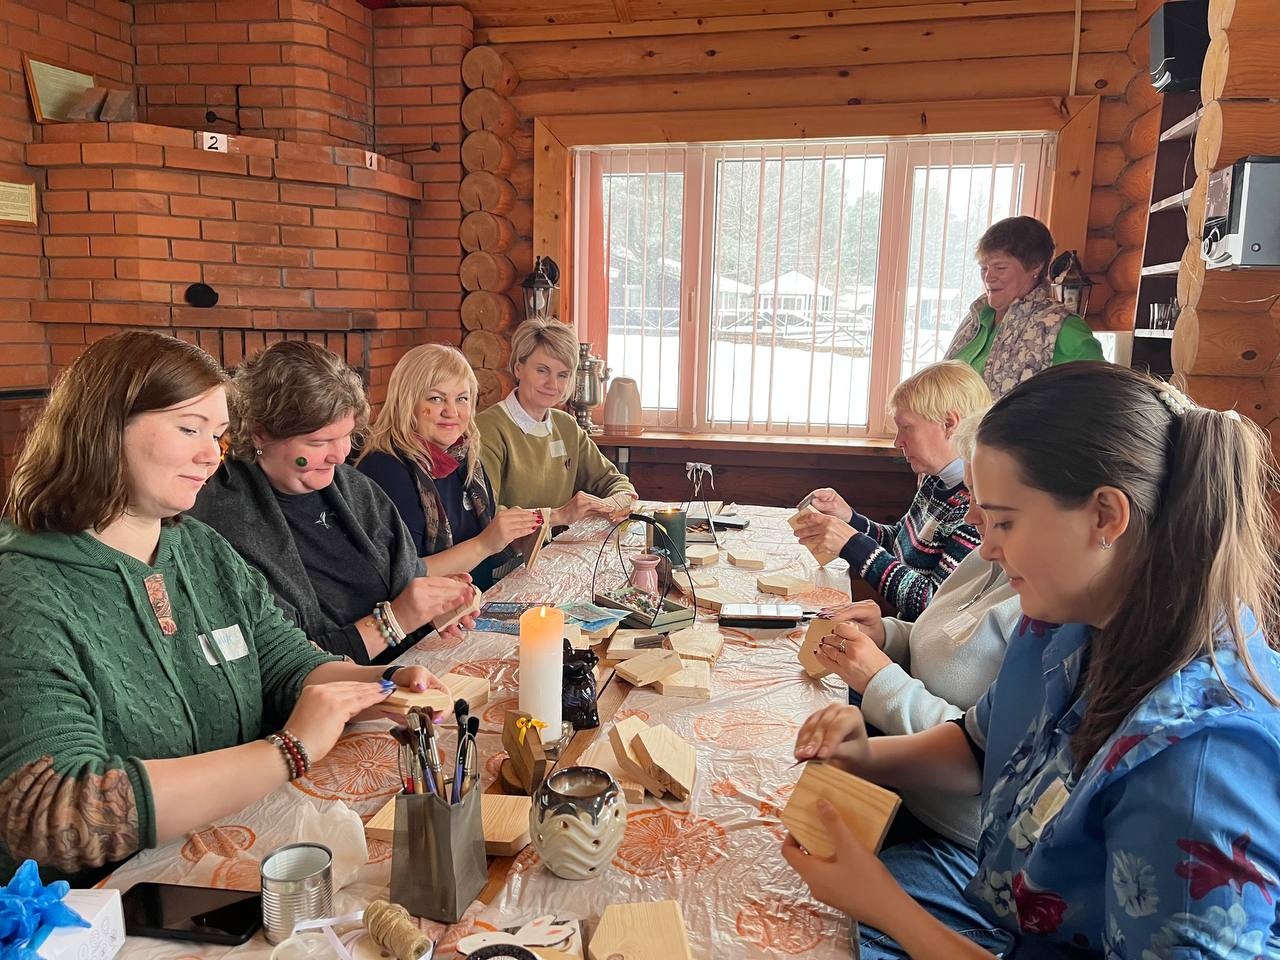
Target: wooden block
(717, 597)
(783, 585)
(621, 736)
(822, 556)
(668, 758)
(447, 620)
(604, 633)
(474, 690)
(640, 931)
(573, 633)
(623, 644)
(702, 554)
(527, 757)
(506, 823)
(649, 667)
(382, 825)
(698, 580)
(601, 756)
(867, 809)
(747, 559)
(531, 545)
(693, 682)
(808, 649)
(698, 643)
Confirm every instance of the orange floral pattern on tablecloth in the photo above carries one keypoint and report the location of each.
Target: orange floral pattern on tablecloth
(225, 841)
(781, 924)
(238, 874)
(503, 672)
(824, 597)
(525, 861)
(493, 765)
(495, 714)
(379, 850)
(633, 712)
(435, 641)
(669, 842)
(771, 808)
(727, 787)
(745, 729)
(360, 766)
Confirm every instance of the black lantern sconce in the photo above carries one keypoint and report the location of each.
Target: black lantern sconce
(541, 291)
(1071, 286)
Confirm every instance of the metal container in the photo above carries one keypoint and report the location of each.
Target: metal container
(577, 821)
(297, 885)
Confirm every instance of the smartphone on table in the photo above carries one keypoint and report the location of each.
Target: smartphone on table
(172, 911)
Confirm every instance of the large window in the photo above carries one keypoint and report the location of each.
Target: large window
(787, 287)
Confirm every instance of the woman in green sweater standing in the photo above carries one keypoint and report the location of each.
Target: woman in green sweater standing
(151, 684)
(1016, 329)
(536, 455)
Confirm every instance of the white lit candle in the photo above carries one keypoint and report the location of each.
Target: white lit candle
(542, 667)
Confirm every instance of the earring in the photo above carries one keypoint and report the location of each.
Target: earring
(1105, 545)
(301, 461)
(257, 451)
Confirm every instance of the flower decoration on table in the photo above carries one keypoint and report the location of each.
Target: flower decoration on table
(30, 911)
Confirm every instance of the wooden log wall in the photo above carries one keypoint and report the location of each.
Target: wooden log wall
(497, 218)
(1226, 345)
(886, 54)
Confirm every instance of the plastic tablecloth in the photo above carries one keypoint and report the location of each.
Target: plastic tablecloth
(717, 853)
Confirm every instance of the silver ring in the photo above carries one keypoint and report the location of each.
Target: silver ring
(841, 645)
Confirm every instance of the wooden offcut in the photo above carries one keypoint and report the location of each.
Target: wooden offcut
(640, 931)
(697, 643)
(506, 823)
(382, 825)
(783, 585)
(865, 808)
(702, 554)
(809, 648)
(693, 682)
(822, 556)
(447, 620)
(474, 690)
(601, 756)
(668, 758)
(717, 597)
(747, 559)
(623, 646)
(649, 667)
(528, 759)
(621, 736)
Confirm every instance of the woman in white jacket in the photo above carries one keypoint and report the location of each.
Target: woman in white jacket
(912, 676)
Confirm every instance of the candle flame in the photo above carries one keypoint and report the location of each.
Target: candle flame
(542, 611)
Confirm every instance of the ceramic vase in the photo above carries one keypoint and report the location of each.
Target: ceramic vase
(644, 572)
(577, 821)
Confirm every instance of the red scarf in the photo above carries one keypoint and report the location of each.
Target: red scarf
(439, 463)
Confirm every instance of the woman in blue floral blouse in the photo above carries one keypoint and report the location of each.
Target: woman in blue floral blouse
(1126, 759)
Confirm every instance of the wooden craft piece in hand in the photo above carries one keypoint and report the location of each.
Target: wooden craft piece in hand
(717, 597)
(527, 757)
(809, 649)
(783, 585)
(623, 645)
(506, 823)
(702, 554)
(621, 736)
(865, 808)
(532, 544)
(747, 559)
(447, 620)
(474, 690)
(669, 759)
(822, 556)
(698, 643)
(693, 682)
(649, 667)
(601, 756)
(640, 931)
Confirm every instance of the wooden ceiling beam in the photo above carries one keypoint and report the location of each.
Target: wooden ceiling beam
(835, 46)
(628, 26)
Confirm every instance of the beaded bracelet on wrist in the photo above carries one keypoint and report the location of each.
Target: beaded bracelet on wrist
(392, 622)
(277, 741)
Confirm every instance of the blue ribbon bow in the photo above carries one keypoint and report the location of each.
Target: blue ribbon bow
(30, 911)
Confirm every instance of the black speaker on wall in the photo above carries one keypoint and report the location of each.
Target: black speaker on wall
(1179, 40)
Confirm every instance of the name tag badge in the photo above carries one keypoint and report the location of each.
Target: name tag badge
(231, 644)
(960, 627)
(557, 449)
(1048, 806)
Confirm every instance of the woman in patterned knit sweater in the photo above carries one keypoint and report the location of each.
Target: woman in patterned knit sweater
(146, 665)
(906, 562)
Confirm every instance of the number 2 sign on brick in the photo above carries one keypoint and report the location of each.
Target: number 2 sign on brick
(216, 142)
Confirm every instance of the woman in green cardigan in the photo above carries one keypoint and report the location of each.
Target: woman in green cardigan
(1016, 329)
(536, 455)
(151, 685)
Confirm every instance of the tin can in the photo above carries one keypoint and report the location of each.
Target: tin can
(297, 884)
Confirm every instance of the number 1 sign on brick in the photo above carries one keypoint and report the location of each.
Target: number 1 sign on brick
(216, 142)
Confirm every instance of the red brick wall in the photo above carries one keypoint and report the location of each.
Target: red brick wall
(299, 68)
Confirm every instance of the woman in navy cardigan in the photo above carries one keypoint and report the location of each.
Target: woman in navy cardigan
(424, 453)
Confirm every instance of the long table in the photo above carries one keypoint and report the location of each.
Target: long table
(717, 853)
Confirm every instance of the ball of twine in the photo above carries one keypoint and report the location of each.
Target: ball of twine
(394, 930)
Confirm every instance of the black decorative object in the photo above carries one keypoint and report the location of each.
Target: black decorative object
(201, 295)
(578, 695)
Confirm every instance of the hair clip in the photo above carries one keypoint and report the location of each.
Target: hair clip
(1175, 400)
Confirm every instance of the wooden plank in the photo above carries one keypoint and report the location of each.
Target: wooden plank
(447, 620)
(746, 559)
(621, 737)
(829, 46)
(649, 667)
(702, 554)
(693, 682)
(867, 809)
(640, 931)
(965, 79)
(783, 585)
(506, 823)
(882, 119)
(814, 667)
(670, 758)
(623, 644)
(474, 690)
(552, 206)
(698, 643)
(601, 756)
(382, 825)
(823, 17)
(717, 597)
(1068, 217)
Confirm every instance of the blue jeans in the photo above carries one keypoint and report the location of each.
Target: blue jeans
(934, 872)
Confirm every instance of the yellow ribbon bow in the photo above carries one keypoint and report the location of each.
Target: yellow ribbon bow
(524, 723)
